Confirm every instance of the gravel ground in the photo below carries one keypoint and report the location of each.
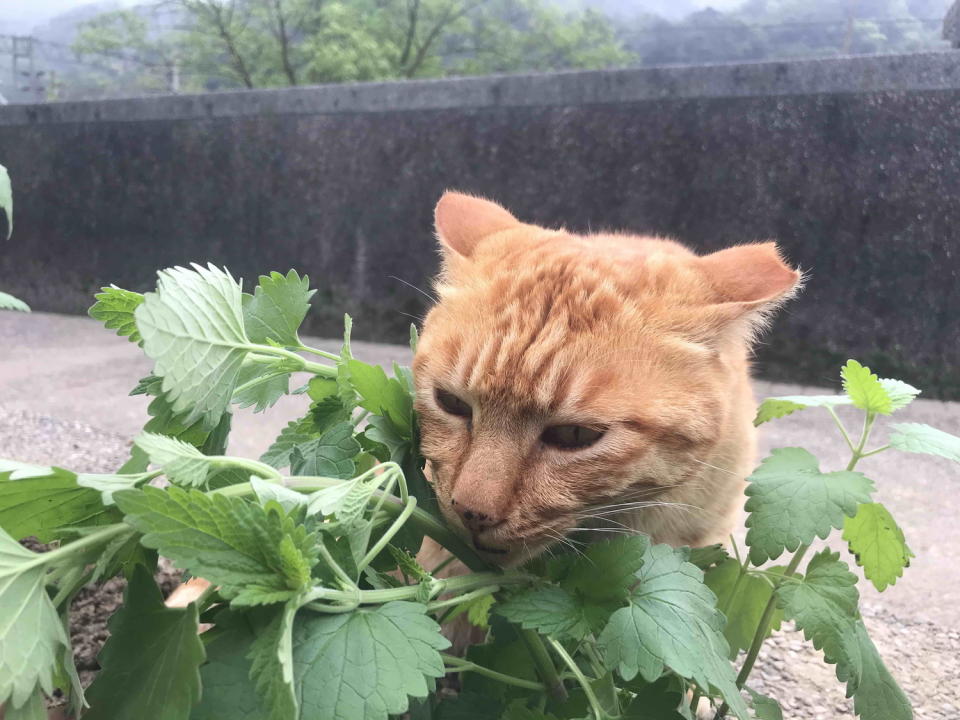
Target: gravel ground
(925, 658)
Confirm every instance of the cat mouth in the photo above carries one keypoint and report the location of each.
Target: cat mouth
(491, 550)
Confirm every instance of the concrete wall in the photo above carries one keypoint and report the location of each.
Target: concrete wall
(853, 164)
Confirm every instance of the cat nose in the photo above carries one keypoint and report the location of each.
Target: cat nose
(473, 519)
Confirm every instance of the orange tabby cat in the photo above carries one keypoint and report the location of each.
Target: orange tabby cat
(565, 380)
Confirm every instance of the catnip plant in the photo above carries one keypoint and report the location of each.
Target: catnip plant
(318, 608)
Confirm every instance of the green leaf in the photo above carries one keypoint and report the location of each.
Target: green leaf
(791, 502)
(181, 462)
(377, 658)
(31, 635)
(277, 308)
(469, 706)
(671, 622)
(877, 543)
(382, 395)
(39, 501)
(256, 555)
(271, 664)
(865, 389)
(33, 709)
(878, 696)
(9, 302)
(109, 484)
(323, 416)
(615, 561)
(330, 455)
(6, 199)
(272, 492)
(150, 664)
(920, 438)
(261, 385)
(228, 693)
(192, 328)
(659, 701)
(707, 557)
(550, 610)
(764, 708)
(900, 393)
(518, 710)
(824, 607)
(742, 600)
(114, 308)
(778, 407)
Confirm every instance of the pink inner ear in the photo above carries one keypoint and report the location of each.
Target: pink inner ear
(462, 221)
(749, 273)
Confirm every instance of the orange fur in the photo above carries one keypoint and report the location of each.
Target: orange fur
(634, 335)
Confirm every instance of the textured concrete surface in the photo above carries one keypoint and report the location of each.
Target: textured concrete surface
(850, 163)
(63, 375)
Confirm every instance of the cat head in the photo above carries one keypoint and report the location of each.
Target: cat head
(559, 372)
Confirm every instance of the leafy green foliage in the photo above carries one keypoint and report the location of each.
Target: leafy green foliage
(791, 502)
(671, 622)
(878, 544)
(276, 309)
(865, 389)
(9, 302)
(114, 308)
(6, 199)
(742, 598)
(199, 359)
(40, 501)
(255, 555)
(381, 656)
(920, 438)
(150, 662)
(30, 631)
(319, 604)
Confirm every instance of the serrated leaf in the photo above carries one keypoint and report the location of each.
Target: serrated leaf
(900, 393)
(671, 622)
(150, 664)
(323, 416)
(261, 385)
(107, 485)
(469, 706)
(407, 564)
(778, 407)
(230, 542)
(764, 708)
(824, 606)
(878, 544)
(9, 302)
(114, 307)
(478, 611)
(181, 462)
(277, 308)
(227, 690)
(865, 390)
(272, 492)
(607, 570)
(377, 658)
(192, 329)
(708, 557)
(6, 199)
(271, 664)
(40, 501)
(920, 438)
(33, 709)
(382, 395)
(31, 635)
(743, 601)
(791, 502)
(550, 610)
(330, 455)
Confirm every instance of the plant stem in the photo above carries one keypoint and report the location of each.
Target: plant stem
(843, 429)
(321, 353)
(544, 664)
(467, 597)
(261, 470)
(595, 706)
(94, 539)
(388, 534)
(461, 583)
(874, 452)
(461, 665)
(303, 364)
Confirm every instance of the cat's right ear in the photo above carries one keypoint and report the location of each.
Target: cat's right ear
(462, 221)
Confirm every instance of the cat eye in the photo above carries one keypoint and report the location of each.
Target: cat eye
(570, 437)
(452, 404)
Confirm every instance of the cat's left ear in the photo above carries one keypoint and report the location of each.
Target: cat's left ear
(751, 281)
(462, 221)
